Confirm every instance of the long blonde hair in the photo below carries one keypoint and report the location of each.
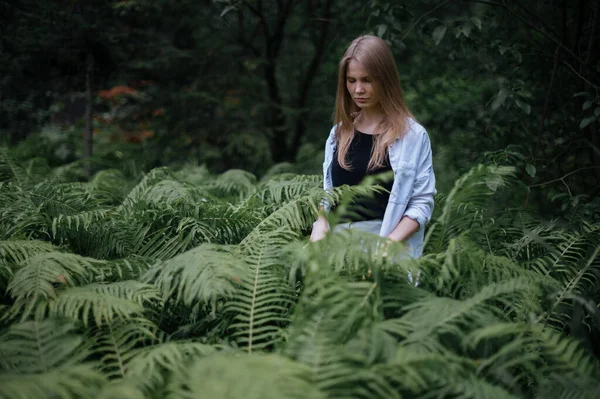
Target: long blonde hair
(376, 57)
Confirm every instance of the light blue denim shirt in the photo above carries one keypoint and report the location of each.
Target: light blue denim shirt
(414, 182)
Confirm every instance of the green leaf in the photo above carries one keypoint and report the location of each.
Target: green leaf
(597, 111)
(500, 98)
(381, 30)
(375, 13)
(438, 34)
(524, 106)
(517, 55)
(587, 121)
(581, 94)
(226, 10)
(530, 169)
(524, 93)
(587, 104)
(477, 22)
(466, 29)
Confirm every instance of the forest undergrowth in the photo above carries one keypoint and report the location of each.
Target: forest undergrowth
(179, 283)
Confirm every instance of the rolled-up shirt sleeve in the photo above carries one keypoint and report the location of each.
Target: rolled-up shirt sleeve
(420, 204)
(327, 183)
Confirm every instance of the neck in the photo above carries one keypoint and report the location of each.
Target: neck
(372, 115)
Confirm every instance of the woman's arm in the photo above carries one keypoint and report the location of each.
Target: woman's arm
(320, 227)
(420, 205)
(406, 228)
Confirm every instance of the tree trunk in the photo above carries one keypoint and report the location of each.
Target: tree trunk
(275, 117)
(307, 82)
(89, 133)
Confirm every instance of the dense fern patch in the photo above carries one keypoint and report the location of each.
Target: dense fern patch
(184, 284)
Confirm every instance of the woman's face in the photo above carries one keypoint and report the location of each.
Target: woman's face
(361, 86)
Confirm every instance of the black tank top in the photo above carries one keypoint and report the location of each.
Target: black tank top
(358, 156)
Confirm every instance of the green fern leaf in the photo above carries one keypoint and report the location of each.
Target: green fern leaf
(469, 194)
(251, 376)
(81, 381)
(16, 251)
(34, 280)
(41, 346)
(201, 275)
(100, 303)
(264, 297)
(150, 366)
(119, 341)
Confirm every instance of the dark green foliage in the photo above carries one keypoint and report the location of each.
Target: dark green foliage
(183, 283)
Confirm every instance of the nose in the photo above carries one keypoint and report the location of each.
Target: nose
(359, 88)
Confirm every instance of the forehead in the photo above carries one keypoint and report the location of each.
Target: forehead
(356, 69)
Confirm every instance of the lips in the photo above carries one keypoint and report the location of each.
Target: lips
(361, 100)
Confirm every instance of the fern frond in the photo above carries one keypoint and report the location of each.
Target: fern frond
(120, 340)
(565, 353)
(341, 370)
(469, 194)
(11, 170)
(279, 171)
(35, 278)
(70, 172)
(20, 217)
(576, 271)
(40, 346)
(151, 365)
(568, 386)
(112, 183)
(331, 310)
(252, 376)
(194, 174)
(17, 251)
(235, 183)
(170, 192)
(228, 224)
(433, 316)
(83, 221)
(82, 381)
(201, 275)
(121, 389)
(283, 188)
(471, 388)
(414, 370)
(263, 297)
(130, 268)
(138, 192)
(100, 303)
(297, 214)
(466, 268)
(64, 199)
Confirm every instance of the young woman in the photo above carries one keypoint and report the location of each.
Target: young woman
(375, 133)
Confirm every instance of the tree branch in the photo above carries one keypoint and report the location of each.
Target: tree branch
(423, 16)
(537, 17)
(531, 26)
(567, 175)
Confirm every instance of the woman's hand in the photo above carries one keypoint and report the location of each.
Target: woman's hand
(320, 229)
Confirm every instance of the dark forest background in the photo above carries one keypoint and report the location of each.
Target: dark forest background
(251, 84)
